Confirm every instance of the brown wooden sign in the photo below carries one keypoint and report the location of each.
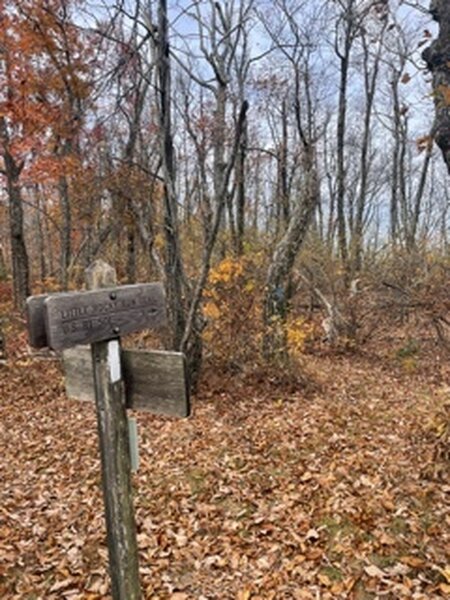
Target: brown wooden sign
(71, 319)
(37, 332)
(117, 380)
(155, 381)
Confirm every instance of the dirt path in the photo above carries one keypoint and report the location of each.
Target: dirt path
(258, 495)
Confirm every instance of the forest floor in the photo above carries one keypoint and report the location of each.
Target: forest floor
(266, 492)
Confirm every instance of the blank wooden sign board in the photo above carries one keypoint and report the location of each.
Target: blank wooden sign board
(116, 380)
(154, 381)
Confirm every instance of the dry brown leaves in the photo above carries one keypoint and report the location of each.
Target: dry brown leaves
(257, 496)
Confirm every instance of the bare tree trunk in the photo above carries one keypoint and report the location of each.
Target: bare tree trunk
(66, 230)
(3, 267)
(173, 262)
(240, 190)
(370, 83)
(417, 206)
(344, 59)
(40, 236)
(193, 316)
(282, 187)
(394, 217)
(131, 255)
(20, 265)
(278, 276)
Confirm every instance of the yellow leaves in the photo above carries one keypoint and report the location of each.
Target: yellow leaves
(159, 241)
(231, 310)
(444, 587)
(298, 331)
(409, 364)
(445, 572)
(441, 428)
(226, 271)
(324, 579)
(245, 593)
(249, 286)
(211, 310)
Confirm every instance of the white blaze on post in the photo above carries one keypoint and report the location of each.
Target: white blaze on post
(114, 361)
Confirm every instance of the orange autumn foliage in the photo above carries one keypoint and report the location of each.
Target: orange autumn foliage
(44, 77)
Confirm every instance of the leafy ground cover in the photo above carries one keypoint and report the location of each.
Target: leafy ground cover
(334, 491)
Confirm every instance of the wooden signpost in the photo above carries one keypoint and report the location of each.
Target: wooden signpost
(80, 318)
(155, 381)
(117, 380)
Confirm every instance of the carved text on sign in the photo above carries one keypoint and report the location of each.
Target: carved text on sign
(86, 317)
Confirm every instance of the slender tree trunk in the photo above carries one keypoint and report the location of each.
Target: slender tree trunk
(283, 169)
(66, 230)
(402, 178)
(278, 276)
(341, 125)
(418, 199)
(240, 190)
(370, 82)
(395, 163)
(131, 254)
(173, 262)
(40, 237)
(19, 256)
(219, 130)
(3, 267)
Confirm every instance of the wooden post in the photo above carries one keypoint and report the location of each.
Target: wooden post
(115, 453)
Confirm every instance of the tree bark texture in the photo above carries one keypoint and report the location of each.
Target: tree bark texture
(20, 266)
(66, 229)
(437, 57)
(276, 296)
(115, 454)
(173, 261)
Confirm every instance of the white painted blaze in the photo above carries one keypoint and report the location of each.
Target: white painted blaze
(114, 361)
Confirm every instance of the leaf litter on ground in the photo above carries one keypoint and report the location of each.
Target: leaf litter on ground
(260, 494)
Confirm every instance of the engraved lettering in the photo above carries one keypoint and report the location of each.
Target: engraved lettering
(92, 316)
(73, 313)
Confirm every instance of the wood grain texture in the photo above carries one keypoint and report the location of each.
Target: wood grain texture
(155, 381)
(116, 476)
(87, 317)
(114, 445)
(37, 332)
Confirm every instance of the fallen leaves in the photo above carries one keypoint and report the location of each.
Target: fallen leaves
(374, 571)
(446, 574)
(250, 499)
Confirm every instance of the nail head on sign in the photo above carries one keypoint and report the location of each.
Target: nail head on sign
(116, 330)
(113, 295)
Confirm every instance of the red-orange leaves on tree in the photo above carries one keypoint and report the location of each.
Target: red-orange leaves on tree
(44, 76)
